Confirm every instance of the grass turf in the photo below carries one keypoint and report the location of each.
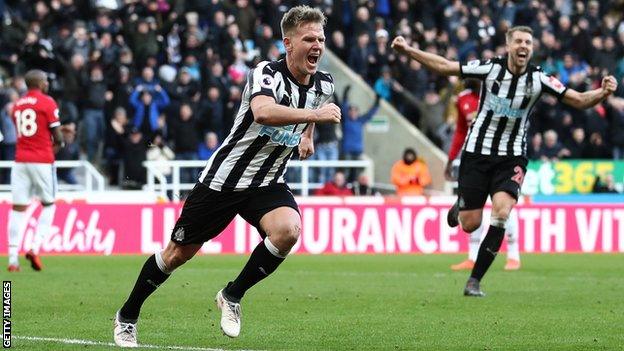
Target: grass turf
(556, 302)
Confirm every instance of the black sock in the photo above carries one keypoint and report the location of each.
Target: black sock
(261, 263)
(487, 251)
(149, 279)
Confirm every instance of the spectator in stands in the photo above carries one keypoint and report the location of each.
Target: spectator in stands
(185, 89)
(552, 150)
(382, 55)
(325, 149)
(122, 88)
(571, 71)
(9, 139)
(353, 128)
(383, 85)
(363, 187)
(74, 76)
(147, 108)
(69, 152)
(208, 146)
(577, 145)
(158, 151)
(604, 184)
(184, 135)
(597, 148)
(93, 113)
(135, 152)
(231, 108)
(338, 45)
(335, 187)
(361, 55)
(615, 117)
(147, 80)
(535, 149)
(211, 112)
(116, 134)
(410, 175)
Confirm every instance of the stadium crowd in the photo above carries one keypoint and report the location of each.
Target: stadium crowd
(156, 79)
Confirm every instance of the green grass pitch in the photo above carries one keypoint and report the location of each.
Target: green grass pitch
(403, 302)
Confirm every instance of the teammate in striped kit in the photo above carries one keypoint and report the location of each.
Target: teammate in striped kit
(467, 108)
(281, 102)
(494, 159)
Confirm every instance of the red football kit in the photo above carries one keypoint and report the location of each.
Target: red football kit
(467, 105)
(34, 115)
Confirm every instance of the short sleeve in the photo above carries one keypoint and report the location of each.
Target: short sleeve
(53, 114)
(478, 69)
(262, 81)
(551, 85)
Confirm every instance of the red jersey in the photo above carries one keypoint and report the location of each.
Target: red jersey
(34, 115)
(467, 105)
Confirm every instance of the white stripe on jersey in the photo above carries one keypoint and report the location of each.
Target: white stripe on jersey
(505, 105)
(255, 155)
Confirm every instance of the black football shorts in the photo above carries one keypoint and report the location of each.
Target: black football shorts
(206, 212)
(483, 175)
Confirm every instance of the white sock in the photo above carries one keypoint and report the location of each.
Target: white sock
(160, 262)
(474, 243)
(16, 223)
(273, 249)
(513, 247)
(43, 227)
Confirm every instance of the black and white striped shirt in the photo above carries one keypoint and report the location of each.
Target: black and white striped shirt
(505, 105)
(255, 155)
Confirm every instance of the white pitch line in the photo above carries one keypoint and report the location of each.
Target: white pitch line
(101, 343)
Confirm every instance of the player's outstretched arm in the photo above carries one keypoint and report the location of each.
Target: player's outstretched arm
(266, 111)
(433, 62)
(592, 97)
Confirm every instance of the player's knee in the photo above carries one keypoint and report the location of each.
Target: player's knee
(285, 235)
(174, 256)
(501, 213)
(470, 223)
(470, 226)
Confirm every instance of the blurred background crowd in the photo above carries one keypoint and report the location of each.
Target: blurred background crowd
(156, 79)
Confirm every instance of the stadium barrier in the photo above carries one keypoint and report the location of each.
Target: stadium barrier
(160, 184)
(93, 180)
(331, 225)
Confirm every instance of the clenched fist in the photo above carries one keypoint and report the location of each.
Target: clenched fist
(329, 113)
(609, 84)
(400, 45)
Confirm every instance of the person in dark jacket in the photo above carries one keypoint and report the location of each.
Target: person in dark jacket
(184, 134)
(93, 112)
(135, 152)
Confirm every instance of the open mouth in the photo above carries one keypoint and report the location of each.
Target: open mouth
(523, 54)
(313, 58)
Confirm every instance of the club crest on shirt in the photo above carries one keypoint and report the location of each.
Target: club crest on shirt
(267, 81)
(317, 101)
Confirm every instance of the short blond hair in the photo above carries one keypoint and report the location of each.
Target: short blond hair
(512, 30)
(299, 15)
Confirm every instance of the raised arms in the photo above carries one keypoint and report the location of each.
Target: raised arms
(591, 97)
(433, 62)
